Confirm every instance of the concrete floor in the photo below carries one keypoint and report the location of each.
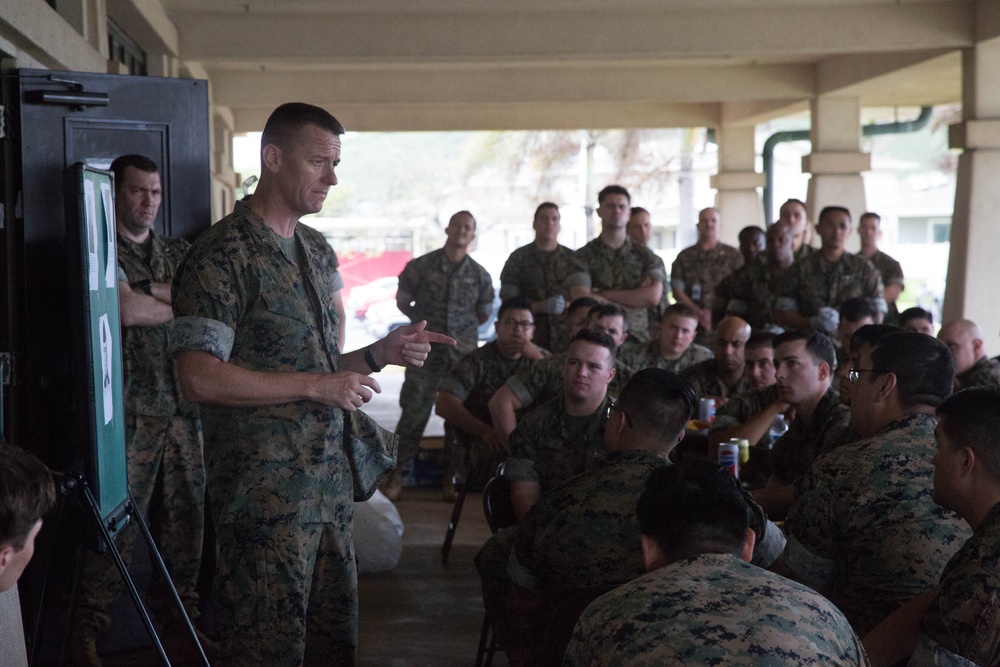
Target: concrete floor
(422, 613)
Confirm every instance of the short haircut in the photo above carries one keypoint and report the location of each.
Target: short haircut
(544, 205)
(870, 334)
(752, 230)
(818, 345)
(285, 122)
(578, 303)
(761, 339)
(636, 210)
(693, 507)
(858, 308)
(603, 310)
(27, 493)
(613, 190)
(971, 418)
(123, 162)
(658, 403)
(871, 214)
(924, 368)
(596, 338)
(680, 309)
(915, 313)
(794, 201)
(463, 212)
(833, 209)
(514, 303)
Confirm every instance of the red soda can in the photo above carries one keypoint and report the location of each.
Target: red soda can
(729, 457)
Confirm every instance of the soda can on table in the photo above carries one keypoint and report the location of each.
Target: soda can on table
(706, 409)
(729, 457)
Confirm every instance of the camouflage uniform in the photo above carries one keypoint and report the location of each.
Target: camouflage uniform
(648, 356)
(804, 251)
(474, 379)
(326, 255)
(795, 451)
(542, 381)
(598, 266)
(704, 377)
(892, 274)
(712, 609)
(863, 523)
(984, 373)
(696, 272)
(164, 456)
(812, 283)
(549, 446)
(963, 626)
(750, 293)
(537, 275)
(281, 483)
(451, 298)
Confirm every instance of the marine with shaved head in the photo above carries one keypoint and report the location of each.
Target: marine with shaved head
(973, 368)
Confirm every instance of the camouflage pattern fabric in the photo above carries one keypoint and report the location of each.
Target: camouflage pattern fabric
(598, 266)
(168, 449)
(542, 381)
(812, 283)
(549, 446)
(863, 523)
(712, 609)
(741, 408)
(648, 356)
(984, 373)
(151, 386)
(963, 621)
(536, 275)
(240, 297)
(163, 450)
(416, 398)
(704, 377)
(804, 251)
(584, 533)
(794, 452)
(474, 379)
(272, 578)
(696, 272)
(325, 254)
(749, 293)
(449, 296)
(892, 274)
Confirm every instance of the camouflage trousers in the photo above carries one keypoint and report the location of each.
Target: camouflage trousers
(416, 399)
(286, 594)
(166, 475)
(498, 594)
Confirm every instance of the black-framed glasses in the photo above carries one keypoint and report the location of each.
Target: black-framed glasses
(524, 325)
(614, 407)
(855, 373)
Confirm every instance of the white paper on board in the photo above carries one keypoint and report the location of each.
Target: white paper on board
(90, 201)
(106, 352)
(111, 270)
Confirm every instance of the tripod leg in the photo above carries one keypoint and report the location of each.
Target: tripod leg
(123, 571)
(155, 553)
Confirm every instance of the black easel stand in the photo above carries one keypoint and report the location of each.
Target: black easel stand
(74, 485)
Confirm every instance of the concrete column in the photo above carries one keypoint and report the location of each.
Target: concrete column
(836, 161)
(975, 236)
(737, 181)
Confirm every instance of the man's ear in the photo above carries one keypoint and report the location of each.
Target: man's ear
(823, 370)
(749, 540)
(887, 384)
(652, 557)
(7, 552)
(271, 157)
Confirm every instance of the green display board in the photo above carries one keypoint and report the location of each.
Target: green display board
(97, 354)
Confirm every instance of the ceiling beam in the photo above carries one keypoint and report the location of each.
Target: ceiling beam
(710, 31)
(454, 117)
(617, 84)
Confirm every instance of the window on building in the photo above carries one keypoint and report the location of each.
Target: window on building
(124, 50)
(924, 229)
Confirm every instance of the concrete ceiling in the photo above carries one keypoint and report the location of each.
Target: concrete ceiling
(537, 64)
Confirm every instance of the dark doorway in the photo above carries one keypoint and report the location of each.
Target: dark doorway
(50, 121)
